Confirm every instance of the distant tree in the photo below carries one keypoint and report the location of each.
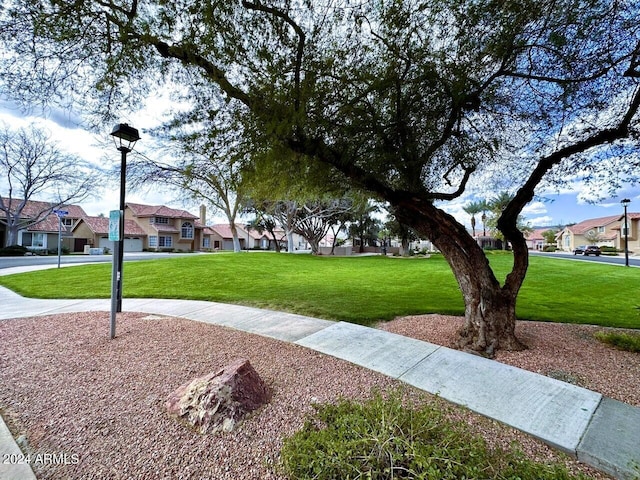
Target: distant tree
(365, 226)
(473, 209)
(496, 207)
(265, 222)
(550, 236)
(316, 218)
(404, 232)
(34, 168)
(592, 237)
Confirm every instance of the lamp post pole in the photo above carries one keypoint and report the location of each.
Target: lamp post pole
(123, 180)
(125, 138)
(625, 202)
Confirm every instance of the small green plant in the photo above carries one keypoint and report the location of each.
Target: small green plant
(383, 439)
(624, 341)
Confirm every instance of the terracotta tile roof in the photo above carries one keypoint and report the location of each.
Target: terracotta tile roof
(585, 226)
(140, 210)
(100, 226)
(222, 229)
(536, 234)
(34, 209)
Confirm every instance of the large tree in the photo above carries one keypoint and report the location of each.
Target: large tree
(33, 167)
(409, 100)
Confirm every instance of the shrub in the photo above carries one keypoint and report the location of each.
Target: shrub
(549, 248)
(13, 251)
(383, 439)
(624, 341)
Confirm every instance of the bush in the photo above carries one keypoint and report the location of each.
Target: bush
(54, 251)
(549, 248)
(13, 251)
(383, 439)
(624, 341)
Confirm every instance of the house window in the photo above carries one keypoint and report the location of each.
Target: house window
(165, 241)
(153, 241)
(161, 220)
(600, 229)
(206, 242)
(37, 240)
(67, 222)
(624, 229)
(187, 230)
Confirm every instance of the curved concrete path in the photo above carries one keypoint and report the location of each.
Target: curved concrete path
(597, 430)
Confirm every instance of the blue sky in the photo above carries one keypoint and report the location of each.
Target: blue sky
(569, 206)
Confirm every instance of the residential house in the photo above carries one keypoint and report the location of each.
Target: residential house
(42, 236)
(633, 234)
(221, 238)
(93, 232)
(603, 231)
(166, 228)
(535, 239)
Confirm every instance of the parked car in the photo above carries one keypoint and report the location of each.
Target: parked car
(587, 250)
(592, 250)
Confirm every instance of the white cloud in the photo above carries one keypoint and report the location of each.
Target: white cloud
(534, 208)
(541, 221)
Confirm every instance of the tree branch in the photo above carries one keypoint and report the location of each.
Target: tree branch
(301, 42)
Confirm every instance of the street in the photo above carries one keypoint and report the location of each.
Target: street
(618, 260)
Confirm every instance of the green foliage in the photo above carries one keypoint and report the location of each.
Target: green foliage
(550, 235)
(13, 251)
(624, 341)
(384, 439)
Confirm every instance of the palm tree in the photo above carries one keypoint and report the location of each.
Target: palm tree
(472, 209)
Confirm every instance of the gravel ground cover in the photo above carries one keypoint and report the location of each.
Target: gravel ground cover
(67, 390)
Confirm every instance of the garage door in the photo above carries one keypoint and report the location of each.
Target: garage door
(131, 244)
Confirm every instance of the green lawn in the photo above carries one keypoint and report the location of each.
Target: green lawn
(357, 289)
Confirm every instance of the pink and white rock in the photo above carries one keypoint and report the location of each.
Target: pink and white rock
(217, 402)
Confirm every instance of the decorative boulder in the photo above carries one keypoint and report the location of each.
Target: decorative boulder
(217, 402)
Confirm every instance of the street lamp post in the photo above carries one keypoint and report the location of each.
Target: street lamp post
(125, 138)
(625, 202)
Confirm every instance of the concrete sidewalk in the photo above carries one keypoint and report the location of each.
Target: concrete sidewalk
(600, 431)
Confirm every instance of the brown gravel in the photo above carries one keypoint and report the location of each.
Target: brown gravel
(68, 389)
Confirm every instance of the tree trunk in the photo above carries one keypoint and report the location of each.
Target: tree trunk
(12, 236)
(290, 246)
(315, 245)
(236, 240)
(490, 309)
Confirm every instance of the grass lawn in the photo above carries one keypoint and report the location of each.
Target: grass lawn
(355, 289)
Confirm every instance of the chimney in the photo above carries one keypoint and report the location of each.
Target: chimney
(203, 215)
